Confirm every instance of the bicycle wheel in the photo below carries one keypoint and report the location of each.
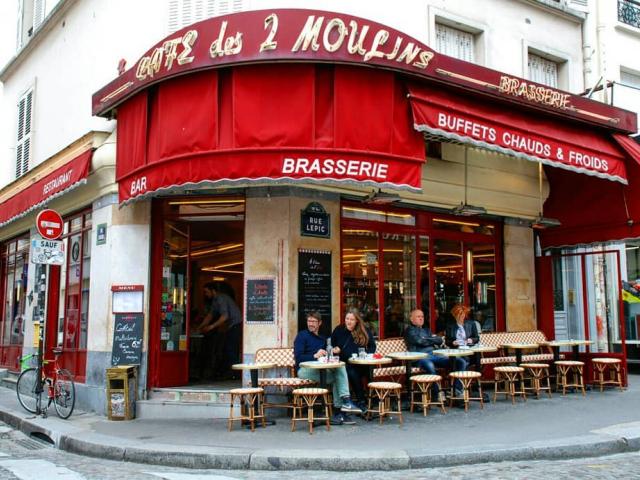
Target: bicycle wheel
(26, 390)
(64, 394)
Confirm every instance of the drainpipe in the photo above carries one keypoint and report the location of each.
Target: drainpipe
(601, 48)
(588, 49)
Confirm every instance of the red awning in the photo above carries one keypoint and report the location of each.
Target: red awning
(56, 183)
(455, 117)
(293, 123)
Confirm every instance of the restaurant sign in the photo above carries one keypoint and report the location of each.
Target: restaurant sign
(296, 35)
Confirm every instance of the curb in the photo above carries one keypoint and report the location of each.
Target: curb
(78, 441)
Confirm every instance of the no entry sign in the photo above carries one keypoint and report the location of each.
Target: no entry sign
(49, 224)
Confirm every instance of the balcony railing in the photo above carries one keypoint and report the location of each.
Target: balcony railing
(629, 12)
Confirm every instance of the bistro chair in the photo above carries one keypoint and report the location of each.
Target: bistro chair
(251, 406)
(306, 398)
(466, 378)
(570, 375)
(538, 376)
(612, 366)
(509, 376)
(421, 386)
(383, 393)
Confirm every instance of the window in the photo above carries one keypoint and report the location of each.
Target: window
(626, 93)
(23, 147)
(31, 15)
(455, 43)
(543, 71)
(15, 264)
(629, 12)
(74, 283)
(186, 12)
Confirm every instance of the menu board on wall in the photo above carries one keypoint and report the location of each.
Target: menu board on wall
(314, 287)
(127, 339)
(260, 299)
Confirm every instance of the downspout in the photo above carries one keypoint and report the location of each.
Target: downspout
(601, 49)
(588, 49)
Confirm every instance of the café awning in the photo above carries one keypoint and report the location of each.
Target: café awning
(44, 188)
(450, 116)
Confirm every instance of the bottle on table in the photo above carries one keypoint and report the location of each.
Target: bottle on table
(329, 350)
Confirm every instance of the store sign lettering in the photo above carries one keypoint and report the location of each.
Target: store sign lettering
(317, 34)
(138, 186)
(534, 93)
(335, 167)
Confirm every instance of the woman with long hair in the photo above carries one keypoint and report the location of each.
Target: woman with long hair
(349, 338)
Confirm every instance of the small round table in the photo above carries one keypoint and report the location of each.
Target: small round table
(370, 362)
(452, 353)
(478, 350)
(322, 367)
(253, 370)
(518, 348)
(407, 358)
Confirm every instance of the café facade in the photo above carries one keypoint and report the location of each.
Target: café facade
(311, 160)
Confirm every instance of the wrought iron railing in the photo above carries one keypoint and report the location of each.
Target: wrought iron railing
(629, 12)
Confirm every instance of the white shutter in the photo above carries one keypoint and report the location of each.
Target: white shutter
(543, 71)
(23, 146)
(630, 79)
(455, 43)
(186, 12)
(38, 13)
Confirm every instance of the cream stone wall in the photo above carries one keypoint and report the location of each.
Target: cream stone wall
(520, 283)
(272, 240)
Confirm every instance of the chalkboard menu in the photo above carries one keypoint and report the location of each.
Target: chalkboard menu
(314, 287)
(127, 339)
(260, 300)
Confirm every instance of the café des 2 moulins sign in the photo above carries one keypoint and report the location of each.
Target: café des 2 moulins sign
(315, 221)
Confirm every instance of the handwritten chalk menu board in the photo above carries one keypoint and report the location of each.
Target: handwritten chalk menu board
(314, 287)
(260, 300)
(127, 339)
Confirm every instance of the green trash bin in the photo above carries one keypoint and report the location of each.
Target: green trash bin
(121, 392)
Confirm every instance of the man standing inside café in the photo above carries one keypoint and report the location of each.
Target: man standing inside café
(309, 345)
(420, 339)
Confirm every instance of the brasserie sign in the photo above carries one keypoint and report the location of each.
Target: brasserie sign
(265, 36)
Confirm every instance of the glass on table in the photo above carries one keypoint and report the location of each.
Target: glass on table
(362, 353)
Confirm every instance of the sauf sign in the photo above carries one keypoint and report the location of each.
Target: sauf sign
(46, 248)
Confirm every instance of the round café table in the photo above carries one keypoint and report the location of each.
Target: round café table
(254, 368)
(478, 350)
(452, 353)
(322, 368)
(406, 358)
(370, 362)
(518, 348)
(574, 344)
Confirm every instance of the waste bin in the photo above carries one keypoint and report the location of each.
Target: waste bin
(121, 392)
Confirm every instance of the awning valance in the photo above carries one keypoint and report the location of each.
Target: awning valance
(455, 117)
(61, 180)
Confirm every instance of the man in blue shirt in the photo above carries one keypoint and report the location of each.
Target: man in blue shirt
(309, 345)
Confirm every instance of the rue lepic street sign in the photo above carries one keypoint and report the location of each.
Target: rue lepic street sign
(49, 224)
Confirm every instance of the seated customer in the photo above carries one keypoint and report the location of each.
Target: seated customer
(464, 332)
(420, 339)
(348, 339)
(310, 345)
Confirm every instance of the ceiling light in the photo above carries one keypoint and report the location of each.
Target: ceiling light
(381, 198)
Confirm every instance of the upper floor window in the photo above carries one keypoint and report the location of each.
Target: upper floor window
(186, 12)
(455, 43)
(543, 71)
(23, 146)
(31, 15)
(629, 12)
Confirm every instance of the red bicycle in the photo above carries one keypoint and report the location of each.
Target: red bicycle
(34, 381)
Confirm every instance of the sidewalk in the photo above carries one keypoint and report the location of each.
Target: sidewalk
(561, 427)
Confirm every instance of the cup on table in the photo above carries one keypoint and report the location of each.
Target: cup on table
(354, 355)
(362, 353)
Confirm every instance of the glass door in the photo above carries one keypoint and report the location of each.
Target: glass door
(399, 276)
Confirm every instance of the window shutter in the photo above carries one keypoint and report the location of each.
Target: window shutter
(543, 71)
(23, 146)
(38, 13)
(455, 43)
(186, 12)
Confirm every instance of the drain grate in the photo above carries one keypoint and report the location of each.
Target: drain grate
(30, 444)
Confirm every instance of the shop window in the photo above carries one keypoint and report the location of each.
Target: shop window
(542, 70)
(481, 282)
(24, 140)
(463, 226)
(73, 309)
(15, 263)
(631, 291)
(455, 43)
(375, 215)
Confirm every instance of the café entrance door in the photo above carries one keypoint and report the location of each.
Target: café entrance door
(195, 243)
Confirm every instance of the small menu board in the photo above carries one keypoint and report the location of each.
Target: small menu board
(127, 339)
(314, 287)
(260, 299)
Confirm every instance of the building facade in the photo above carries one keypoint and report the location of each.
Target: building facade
(354, 157)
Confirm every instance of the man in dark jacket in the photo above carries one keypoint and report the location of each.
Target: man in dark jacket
(420, 339)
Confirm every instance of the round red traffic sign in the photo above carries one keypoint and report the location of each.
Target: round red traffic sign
(49, 224)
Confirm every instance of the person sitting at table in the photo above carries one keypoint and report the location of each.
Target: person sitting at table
(348, 339)
(309, 345)
(462, 333)
(420, 339)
